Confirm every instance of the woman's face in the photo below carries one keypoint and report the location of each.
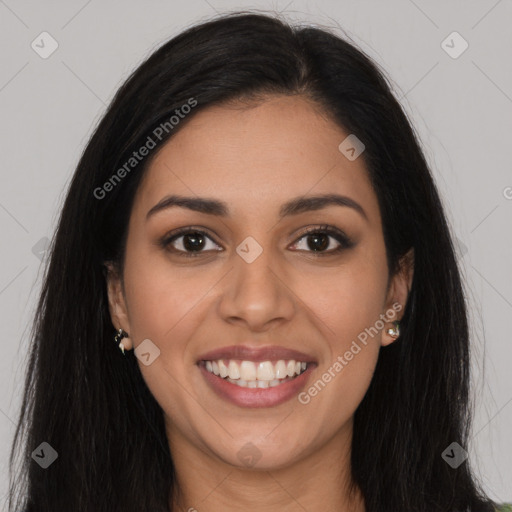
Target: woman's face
(254, 291)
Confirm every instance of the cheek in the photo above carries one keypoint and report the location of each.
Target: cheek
(166, 308)
(347, 306)
(348, 303)
(159, 296)
(349, 314)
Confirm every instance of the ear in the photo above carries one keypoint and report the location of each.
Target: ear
(398, 294)
(117, 303)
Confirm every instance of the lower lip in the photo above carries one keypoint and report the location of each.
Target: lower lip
(256, 397)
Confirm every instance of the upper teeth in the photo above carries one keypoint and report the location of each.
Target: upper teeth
(251, 371)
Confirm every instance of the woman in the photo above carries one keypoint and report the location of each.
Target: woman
(252, 300)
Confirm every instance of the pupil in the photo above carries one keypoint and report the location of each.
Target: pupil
(193, 241)
(315, 237)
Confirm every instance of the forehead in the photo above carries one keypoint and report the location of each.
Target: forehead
(255, 158)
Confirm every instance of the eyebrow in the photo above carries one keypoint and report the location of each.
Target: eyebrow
(293, 207)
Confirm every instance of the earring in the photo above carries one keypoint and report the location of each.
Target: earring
(120, 334)
(394, 333)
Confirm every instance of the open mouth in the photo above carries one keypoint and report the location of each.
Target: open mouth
(261, 374)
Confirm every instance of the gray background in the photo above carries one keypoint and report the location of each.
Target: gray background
(461, 108)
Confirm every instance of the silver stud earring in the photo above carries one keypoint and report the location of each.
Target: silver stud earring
(120, 334)
(394, 332)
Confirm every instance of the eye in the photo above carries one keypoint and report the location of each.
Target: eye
(189, 242)
(317, 239)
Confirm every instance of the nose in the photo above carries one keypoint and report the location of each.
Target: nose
(257, 294)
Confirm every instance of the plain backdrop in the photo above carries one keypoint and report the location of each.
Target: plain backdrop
(459, 103)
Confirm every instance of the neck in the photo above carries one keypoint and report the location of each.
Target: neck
(318, 482)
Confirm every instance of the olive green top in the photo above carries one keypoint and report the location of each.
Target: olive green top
(504, 507)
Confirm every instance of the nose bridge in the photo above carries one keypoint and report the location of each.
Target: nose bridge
(255, 268)
(256, 292)
(255, 264)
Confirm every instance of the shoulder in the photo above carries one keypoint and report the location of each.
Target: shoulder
(504, 507)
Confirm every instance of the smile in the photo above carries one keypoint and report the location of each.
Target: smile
(264, 383)
(261, 374)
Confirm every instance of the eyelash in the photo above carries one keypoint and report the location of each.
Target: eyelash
(344, 241)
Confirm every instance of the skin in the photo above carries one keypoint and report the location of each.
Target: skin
(255, 158)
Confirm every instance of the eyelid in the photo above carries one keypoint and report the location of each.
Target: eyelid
(338, 234)
(167, 239)
(344, 241)
(322, 228)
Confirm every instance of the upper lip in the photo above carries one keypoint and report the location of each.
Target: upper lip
(247, 353)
